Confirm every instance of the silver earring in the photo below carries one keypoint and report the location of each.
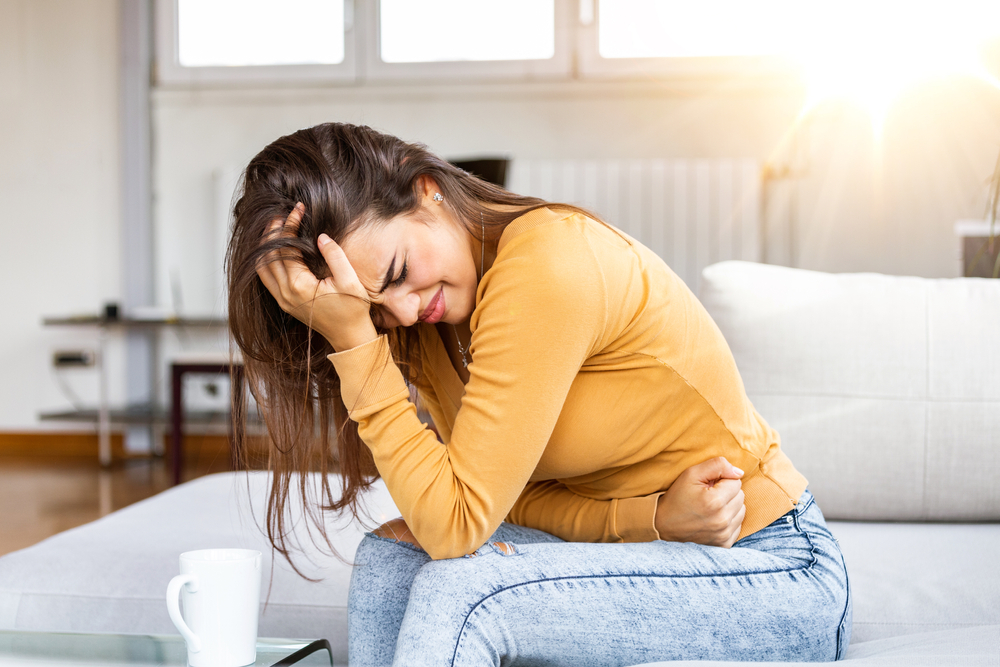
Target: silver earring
(438, 197)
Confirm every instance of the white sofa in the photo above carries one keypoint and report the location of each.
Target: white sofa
(886, 391)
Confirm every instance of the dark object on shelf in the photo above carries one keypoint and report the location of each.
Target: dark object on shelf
(73, 358)
(111, 311)
(980, 256)
(491, 170)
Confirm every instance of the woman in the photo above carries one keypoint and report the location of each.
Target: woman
(581, 392)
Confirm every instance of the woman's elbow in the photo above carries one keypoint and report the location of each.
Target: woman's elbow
(442, 548)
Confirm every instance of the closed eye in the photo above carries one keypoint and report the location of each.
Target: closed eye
(402, 276)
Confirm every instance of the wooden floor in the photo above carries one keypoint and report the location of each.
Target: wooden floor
(41, 496)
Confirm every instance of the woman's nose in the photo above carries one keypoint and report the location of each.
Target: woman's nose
(404, 306)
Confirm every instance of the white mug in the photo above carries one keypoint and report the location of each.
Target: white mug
(221, 592)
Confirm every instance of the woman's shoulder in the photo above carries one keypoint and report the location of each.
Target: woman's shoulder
(545, 255)
(554, 227)
(555, 253)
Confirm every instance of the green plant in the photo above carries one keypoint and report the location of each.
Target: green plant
(987, 249)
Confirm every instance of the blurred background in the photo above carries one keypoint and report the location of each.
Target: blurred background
(835, 136)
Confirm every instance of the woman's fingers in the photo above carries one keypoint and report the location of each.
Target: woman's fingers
(345, 323)
(343, 274)
(289, 229)
(397, 530)
(282, 271)
(710, 471)
(294, 218)
(727, 490)
(736, 527)
(271, 269)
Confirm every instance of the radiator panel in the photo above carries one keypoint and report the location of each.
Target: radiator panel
(692, 213)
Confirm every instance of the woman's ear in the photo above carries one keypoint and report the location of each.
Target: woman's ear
(427, 187)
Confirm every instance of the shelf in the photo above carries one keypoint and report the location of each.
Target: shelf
(144, 414)
(133, 323)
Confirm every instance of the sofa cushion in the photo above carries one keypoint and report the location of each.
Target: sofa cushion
(966, 647)
(912, 578)
(885, 390)
(111, 575)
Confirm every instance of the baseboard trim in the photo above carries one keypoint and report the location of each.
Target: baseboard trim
(71, 444)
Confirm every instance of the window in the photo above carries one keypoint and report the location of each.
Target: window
(707, 28)
(254, 40)
(677, 37)
(457, 30)
(469, 38)
(268, 41)
(231, 33)
(834, 45)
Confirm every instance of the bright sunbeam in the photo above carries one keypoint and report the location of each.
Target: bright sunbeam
(865, 51)
(870, 52)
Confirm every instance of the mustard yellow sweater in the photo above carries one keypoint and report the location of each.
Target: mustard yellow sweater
(596, 379)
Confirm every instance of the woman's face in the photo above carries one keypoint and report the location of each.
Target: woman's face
(417, 268)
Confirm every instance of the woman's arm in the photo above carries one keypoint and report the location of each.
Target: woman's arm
(703, 505)
(542, 314)
(554, 508)
(454, 496)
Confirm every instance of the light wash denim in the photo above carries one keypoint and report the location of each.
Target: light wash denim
(780, 594)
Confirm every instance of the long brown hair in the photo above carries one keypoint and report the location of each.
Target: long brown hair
(347, 176)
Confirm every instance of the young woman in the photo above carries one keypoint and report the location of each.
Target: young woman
(602, 492)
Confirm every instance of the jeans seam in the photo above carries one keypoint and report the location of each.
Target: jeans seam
(465, 621)
(805, 533)
(842, 650)
(847, 581)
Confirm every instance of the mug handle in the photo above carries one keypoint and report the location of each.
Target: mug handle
(174, 608)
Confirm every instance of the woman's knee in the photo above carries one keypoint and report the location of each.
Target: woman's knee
(468, 579)
(377, 556)
(383, 570)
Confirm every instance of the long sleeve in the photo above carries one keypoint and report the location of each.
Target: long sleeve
(596, 378)
(550, 506)
(540, 316)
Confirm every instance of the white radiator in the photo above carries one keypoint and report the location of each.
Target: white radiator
(692, 213)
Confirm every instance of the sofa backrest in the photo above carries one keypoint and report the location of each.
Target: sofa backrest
(885, 390)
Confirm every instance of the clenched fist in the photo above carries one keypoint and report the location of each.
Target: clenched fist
(703, 505)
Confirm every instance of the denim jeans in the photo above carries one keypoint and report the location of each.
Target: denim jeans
(780, 594)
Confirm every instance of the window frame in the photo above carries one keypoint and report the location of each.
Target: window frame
(577, 57)
(169, 71)
(592, 65)
(559, 66)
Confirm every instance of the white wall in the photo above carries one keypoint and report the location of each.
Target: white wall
(59, 191)
(198, 133)
(850, 205)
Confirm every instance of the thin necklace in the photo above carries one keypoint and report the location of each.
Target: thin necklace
(482, 264)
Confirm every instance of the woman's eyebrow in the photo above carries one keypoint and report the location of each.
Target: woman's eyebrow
(388, 275)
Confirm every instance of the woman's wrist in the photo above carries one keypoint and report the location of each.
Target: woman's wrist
(661, 522)
(348, 339)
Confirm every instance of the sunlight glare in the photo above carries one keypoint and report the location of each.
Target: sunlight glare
(869, 52)
(865, 51)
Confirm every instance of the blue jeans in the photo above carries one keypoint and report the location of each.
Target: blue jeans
(780, 594)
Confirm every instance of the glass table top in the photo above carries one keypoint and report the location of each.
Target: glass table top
(91, 650)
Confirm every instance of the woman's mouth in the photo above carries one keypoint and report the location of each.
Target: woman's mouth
(434, 310)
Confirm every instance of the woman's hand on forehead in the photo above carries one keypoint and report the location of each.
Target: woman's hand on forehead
(336, 307)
